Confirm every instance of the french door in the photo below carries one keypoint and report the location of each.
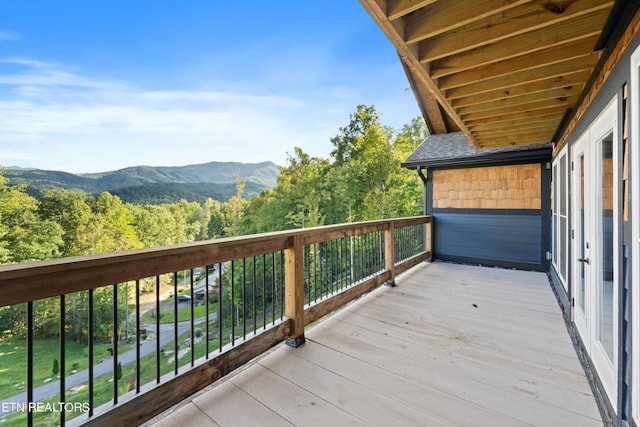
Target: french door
(594, 255)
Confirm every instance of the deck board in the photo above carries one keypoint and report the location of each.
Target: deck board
(419, 354)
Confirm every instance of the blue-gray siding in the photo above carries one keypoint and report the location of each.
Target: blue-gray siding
(505, 239)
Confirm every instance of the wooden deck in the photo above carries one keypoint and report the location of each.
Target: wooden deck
(450, 345)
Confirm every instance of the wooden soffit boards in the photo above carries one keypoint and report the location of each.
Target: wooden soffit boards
(503, 72)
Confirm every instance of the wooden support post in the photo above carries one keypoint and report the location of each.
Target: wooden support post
(389, 255)
(428, 237)
(294, 289)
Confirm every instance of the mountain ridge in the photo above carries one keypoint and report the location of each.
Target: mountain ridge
(155, 184)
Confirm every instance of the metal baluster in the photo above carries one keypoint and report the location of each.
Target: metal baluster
(29, 361)
(62, 357)
(220, 286)
(244, 298)
(206, 309)
(255, 317)
(264, 291)
(137, 336)
(274, 297)
(233, 305)
(193, 348)
(175, 322)
(158, 354)
(91, 338)
(115, 344)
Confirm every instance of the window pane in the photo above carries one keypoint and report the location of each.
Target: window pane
(605, 284)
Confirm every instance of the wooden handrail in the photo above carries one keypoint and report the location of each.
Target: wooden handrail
(31, 281)
(26, 282)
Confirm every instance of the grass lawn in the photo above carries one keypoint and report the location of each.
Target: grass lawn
(13, 361)
(103, 386)
(184, 314)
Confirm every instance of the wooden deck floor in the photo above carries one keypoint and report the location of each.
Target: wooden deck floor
(450, 345)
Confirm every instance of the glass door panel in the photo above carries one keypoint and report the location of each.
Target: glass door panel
(604, 284)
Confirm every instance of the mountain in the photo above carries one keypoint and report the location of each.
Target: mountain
(148, 184)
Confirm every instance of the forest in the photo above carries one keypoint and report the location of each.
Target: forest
(361, 180)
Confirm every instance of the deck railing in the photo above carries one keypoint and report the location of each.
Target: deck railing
(139, 331)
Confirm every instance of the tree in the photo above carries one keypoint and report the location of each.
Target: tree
(24, 236)
(298, 197)
(72, 211)
(346, 142)
(110, 228)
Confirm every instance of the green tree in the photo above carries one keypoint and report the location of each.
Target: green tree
(72, 211)
(24, 236)
(298, 197)
(110, 227)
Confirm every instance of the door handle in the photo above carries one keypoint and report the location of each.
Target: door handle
(585, 260)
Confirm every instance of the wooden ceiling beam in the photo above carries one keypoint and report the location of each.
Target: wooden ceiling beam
(548, 127)
(510, 23)
(553, 117)
(516, 116)
(515, 101)
(545, 38)
(565, 102)
(515, 141)
(569, 81)
(585, 63)
(555, 55)
(539, 128)
(443, 16)
(399, 8)
(544, 135)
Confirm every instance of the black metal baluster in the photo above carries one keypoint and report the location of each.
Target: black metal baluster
(332, 270)
(158, 354)
(137, 336)
(244, 298)
(264, 291)
(29, 362)
(233, 305)
(90, 343)
(62, 357)
(206, 310)
(193, 348)
(255, 317)
(315, 272)
(220, 306)
(115, 344)
(366, 252)
(274, 296)
(281, 285)
(340, 243)
(175, 322)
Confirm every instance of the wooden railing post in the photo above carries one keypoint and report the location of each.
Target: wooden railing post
(428, 237)
(389, 254)
(294, 289)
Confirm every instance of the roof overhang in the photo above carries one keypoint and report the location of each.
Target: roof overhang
(455, 150)
(503, 72)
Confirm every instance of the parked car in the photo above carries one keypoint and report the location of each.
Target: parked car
(184, 298)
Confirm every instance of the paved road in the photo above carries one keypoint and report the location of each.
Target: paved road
(106, 366)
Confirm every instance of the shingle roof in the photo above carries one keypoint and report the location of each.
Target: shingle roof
(448, 149)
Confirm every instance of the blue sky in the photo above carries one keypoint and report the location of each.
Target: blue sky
(90, 86)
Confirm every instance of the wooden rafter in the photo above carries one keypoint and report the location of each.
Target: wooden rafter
(503, 26)
(504, 72)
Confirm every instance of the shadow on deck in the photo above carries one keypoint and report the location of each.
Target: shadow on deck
(449, 345)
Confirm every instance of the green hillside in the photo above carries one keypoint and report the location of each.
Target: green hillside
(148, 184)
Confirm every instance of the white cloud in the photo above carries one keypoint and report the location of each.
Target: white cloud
(9, 35)
(57, 118)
